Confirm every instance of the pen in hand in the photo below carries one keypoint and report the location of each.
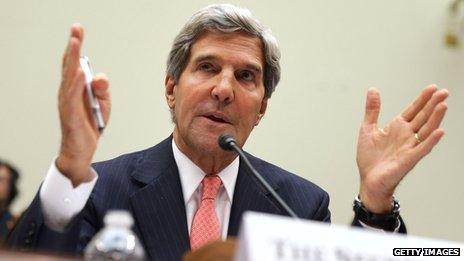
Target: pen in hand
(94, 104)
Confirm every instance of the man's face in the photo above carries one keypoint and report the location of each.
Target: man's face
(220, 91)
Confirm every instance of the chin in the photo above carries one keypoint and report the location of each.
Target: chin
(202, 141)
(207, 143)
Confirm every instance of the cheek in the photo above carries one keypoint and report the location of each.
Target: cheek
(186, 106)
(249, 114)
(4, 191)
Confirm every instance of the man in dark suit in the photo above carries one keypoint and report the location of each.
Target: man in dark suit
(186, 191)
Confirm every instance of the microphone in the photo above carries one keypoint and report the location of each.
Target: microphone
(227, 142)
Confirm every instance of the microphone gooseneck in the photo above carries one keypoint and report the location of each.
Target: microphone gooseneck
(227, 142)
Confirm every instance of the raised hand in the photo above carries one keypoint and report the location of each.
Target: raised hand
(385, 156)
(78, 129)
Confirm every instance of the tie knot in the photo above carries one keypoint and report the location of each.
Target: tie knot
(211, 185)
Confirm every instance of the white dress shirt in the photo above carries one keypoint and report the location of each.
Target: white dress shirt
(61, 202)
(190, 178)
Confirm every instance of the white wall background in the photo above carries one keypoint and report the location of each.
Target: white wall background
(332, 51)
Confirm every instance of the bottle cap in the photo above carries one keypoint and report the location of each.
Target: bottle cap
(120, 218)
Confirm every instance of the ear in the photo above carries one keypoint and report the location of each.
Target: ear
(262, 111)
(170, 85)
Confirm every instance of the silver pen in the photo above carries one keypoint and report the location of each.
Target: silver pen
(94, 104)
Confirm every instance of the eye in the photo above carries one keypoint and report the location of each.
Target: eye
(246, 76)
(206, 67)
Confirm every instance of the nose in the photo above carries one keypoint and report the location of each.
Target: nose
(223, 91)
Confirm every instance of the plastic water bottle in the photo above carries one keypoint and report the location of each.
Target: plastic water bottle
(116, 241)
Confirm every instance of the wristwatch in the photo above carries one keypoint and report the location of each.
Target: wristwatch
(388, 222)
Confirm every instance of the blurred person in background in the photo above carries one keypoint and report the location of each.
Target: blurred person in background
(8, 191)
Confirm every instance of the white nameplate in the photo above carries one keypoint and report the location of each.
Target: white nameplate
(268, 237)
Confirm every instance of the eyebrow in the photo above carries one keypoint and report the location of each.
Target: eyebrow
(207, 57)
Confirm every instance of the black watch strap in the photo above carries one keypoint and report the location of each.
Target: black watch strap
(388, 222)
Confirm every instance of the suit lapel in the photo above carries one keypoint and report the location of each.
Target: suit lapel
(250, 195)
(159, 207)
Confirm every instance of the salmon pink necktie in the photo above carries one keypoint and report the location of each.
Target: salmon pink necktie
(205, 225)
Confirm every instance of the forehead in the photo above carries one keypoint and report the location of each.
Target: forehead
(237, 47)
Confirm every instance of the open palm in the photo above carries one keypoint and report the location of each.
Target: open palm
(385, 156)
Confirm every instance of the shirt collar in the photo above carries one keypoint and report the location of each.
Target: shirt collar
(191, 175)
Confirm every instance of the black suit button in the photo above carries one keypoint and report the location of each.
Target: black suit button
(28, 241)
(31, 232)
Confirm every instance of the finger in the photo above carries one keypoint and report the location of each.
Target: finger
(100, 85)
(71, 102)
(410, 112)
(372, 106)
(88, 110)
(75, 92)
(434, 121)
(76, 32)
(426, 146)
(77, 37)
(72, 54)
(72, 45)
(422, 117)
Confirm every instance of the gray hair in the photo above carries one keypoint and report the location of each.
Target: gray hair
(225, 18)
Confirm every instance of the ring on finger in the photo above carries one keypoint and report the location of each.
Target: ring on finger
(416, 135)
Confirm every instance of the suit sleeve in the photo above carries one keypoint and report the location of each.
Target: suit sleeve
(31, 233)
(323, 212)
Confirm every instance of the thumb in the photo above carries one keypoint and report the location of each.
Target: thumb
(372, 106)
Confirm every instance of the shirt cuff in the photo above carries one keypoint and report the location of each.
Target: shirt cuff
(397, 228)
(60, 201)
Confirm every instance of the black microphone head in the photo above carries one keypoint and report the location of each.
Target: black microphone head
(225, 141)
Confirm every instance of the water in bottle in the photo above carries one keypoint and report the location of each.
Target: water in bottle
(116, 241)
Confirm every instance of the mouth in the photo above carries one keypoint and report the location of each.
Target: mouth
(217, 117)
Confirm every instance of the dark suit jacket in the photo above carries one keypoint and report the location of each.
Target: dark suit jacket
(147, 184)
